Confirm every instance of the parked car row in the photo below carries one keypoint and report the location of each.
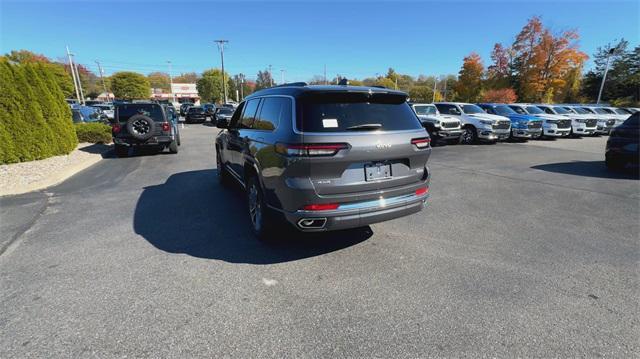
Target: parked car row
(470, 123)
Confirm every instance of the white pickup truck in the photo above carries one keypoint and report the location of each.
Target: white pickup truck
(476, 124)
(552, 125)
(581, 124)
(440, 127)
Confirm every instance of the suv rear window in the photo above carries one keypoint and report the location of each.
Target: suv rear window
(338, 112)
(196, 109)
(154, 111)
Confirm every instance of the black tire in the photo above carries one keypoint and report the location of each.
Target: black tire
(260, 217)
(173, 146)
(178, 136)
(469, 136)
(223, 174)
(141, 127)
(122, 150)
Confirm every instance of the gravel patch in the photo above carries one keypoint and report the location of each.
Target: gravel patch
(24, 177)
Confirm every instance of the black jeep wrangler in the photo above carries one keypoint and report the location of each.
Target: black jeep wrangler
(144, 124)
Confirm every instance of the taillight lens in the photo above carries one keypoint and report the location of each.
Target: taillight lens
(422, 142)
(321, 207)
(310, 150)
(166, 127)
(422, 191)
(116, 128)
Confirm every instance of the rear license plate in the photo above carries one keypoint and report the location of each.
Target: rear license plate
(376, 171)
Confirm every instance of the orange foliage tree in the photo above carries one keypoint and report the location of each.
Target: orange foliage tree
(469, 84)
(503, 95)
(544, 61)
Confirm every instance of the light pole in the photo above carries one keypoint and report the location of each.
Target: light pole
(221, 44)
(173, 98)
(270, 77)
(282, 77)
(604, 77)
(79, 83)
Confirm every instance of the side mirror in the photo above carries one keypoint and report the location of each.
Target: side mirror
(222, 123)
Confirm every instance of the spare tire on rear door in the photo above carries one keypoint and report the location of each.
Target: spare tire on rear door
(141, 127)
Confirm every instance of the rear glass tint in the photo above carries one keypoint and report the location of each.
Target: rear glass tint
(337, 112)
(151, 110)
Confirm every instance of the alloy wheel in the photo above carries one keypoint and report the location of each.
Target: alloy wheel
(255, 207)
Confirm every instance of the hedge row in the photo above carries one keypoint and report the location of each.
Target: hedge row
(94, 132)
(35, 120)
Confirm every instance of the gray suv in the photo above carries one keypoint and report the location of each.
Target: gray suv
(325, 157)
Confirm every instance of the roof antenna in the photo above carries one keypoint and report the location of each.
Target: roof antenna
(343, 82)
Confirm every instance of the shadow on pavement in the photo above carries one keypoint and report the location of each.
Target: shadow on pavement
(99, 148)
(586, 168)
(192, 214)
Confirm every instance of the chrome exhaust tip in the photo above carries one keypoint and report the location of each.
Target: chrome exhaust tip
(312, 223)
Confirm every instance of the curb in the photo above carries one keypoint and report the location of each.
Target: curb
(55, 178)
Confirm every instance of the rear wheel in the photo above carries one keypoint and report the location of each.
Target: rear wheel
(469, 136)
(259, 214)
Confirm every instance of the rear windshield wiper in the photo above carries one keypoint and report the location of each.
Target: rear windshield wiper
(365, 126)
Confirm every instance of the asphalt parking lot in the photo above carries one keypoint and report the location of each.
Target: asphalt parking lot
(526, 250)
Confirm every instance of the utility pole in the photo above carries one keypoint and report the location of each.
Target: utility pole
(435, 84)
(241, 86)
(270, 77)
(282, 77)
(444, 97)
(79, 83)
(173, 98)
(325, 74)
(604, 77)
(221, 44)
(73, 75)
(102, 78)
(396, 82)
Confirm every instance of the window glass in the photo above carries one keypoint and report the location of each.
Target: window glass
(620, 111)
(548, 110)
(342, 111)
(561, 111)
(534, 110)
(471, 109)
(447, 109)
(154, 111)
(601, 111)
(588, 110)
(504, 110)
(272, 112)
(519, 110)
(425, 110)
(249, 113)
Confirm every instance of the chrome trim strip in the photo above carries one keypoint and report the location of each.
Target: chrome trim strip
(376, 203)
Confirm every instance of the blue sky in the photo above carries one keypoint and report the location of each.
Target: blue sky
(356, 39)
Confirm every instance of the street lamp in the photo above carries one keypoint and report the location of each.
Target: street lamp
(604, 77)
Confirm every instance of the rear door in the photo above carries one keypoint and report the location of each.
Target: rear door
(376, 130)
(238, 136)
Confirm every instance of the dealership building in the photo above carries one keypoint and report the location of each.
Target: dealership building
(183, 93)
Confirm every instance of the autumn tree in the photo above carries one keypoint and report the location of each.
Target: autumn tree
(263, 80)
(499, 72)
(130, 85)
(160, 80)
(543, 61)
(503, 95)
(469, 85)
(186, 78)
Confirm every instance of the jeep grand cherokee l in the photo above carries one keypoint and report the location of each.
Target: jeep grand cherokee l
(325, 157)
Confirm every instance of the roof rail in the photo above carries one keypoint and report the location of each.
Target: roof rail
(292, 84)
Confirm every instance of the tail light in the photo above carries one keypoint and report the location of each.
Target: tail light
(321, 207)
(115, 128)
(422, 191)
(166, 127)
(310, 150)
(421, 143)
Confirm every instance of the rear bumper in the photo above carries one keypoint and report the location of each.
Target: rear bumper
(153, 141)
(358, 214)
